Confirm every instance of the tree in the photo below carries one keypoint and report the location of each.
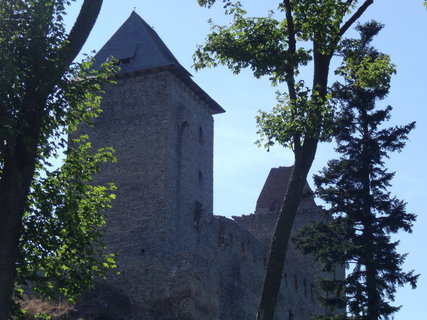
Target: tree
(35, 97)
(277, 48)
(61, 246)
(362, 213)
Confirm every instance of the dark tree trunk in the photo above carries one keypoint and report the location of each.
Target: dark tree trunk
(20, 154)
(15, 182)
(304, 157)
(279, 245)
(371, 285)
(372, 311)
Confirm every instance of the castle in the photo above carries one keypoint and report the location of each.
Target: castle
(176, 259)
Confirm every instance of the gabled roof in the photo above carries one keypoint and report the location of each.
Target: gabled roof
(138, 48)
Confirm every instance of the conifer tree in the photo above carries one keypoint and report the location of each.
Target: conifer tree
(362, 213)
(277, 46)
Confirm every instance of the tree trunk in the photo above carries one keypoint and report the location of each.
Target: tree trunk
(372, 311)
(282, 233)
(303, 160)
(20, 154)
(15, 182)
(371, 288)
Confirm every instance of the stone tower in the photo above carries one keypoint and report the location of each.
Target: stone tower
(160, 123)
(177, 261)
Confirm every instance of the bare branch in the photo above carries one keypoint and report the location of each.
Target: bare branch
(81, 29)
(355, 16)
(291, 28)
(290, 77)
(290, 81)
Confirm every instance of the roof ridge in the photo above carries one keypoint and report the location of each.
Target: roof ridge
(164, 50)
(137, 46)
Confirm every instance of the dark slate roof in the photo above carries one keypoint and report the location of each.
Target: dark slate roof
(275, 187)
(137, 41)
(139, 48)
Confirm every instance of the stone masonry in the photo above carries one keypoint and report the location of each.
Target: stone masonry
(176, 259)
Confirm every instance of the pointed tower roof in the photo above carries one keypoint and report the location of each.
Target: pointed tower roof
(139, 48)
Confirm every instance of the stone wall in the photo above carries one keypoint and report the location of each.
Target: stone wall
(297, 296)
(176, 259)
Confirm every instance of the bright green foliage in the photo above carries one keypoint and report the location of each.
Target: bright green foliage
(372, 74)
(28, 52)
(258, 43)
(62, 250)
(207, 3)
(368, 72)
(61, 247)
(42, 100)
(320, 21)
(278, 49)
(362, 213)
(263, 45)
(300, 118)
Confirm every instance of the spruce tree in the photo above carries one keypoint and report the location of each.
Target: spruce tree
(277, 46)
(362, 213)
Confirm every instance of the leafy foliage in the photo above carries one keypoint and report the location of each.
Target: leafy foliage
(32, 36)
(320, 21)
(61, 247)
(295, 118)
(262, 44)
(42, 100)
(362, 213)
(29, 32)
(259, 43)
(278, 48)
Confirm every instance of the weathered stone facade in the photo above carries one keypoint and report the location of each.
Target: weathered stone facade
(176, 259)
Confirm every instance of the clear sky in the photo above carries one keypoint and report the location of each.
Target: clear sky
(240, 167)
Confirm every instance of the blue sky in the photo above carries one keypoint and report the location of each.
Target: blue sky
(241, 167)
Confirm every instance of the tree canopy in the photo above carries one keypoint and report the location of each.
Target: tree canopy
(61, 247)
(51, 219)
(362, 214)
(307, 31)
